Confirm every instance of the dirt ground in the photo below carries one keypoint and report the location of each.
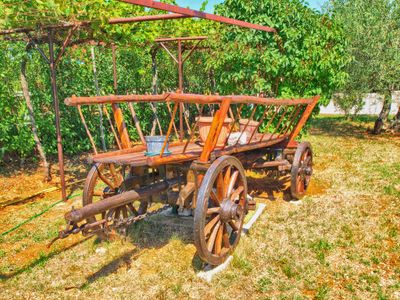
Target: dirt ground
(342, 241)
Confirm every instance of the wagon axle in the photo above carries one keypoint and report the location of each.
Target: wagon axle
(230, 211)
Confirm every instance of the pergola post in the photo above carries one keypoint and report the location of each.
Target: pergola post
(56, 103)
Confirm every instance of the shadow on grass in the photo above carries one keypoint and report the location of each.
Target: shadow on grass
(41, 261)
(110, 268)
(359, 127)
(269, 186)
(154, 233)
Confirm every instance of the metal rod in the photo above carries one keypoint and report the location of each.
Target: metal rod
(180, 77)
(197, 14)
(36, 46)
(87, 130)
(191, 51)
(175, 39)
(115, 76)
(53, 77)
(169, 52)
(65, 44)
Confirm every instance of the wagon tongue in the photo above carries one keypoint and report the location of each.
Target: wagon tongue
(74, 217)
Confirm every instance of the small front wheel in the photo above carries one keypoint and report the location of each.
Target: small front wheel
(302, 170)
(220, 210)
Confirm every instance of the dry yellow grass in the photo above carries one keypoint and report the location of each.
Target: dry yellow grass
(341, 242)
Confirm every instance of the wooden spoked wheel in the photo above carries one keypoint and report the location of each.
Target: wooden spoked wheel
(220, 210)
(302, 170)
(104, 181)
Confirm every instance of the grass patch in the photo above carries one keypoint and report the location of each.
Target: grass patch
(340, 242)
(321, 248)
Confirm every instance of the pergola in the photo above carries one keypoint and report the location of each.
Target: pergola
(52, 59)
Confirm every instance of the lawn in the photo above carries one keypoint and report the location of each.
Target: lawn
(340, 242)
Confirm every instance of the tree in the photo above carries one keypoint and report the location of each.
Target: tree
(372, 29)
(26, 93)
(305, 57)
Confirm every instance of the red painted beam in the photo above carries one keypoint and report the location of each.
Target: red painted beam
(146, 18)
(197, 14)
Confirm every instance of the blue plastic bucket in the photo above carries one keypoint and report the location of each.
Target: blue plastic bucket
(155, 144)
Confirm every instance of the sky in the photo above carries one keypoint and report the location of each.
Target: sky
(196, 4)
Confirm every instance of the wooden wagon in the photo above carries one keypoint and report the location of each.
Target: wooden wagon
(200, 168)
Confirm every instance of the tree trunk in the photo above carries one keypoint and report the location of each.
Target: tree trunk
(25, 90)
(384, 115)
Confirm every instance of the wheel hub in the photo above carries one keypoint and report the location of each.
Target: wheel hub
(230, 211)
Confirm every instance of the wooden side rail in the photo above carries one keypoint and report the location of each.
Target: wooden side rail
(261, 121)
(186, 98)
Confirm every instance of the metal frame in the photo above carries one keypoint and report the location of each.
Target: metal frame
(180, 61)
(178, 12)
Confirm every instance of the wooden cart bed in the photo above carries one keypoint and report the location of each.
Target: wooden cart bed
(136, 157)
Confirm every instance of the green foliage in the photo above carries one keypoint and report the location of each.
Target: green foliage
(305, 58)
(350, 102)
(372, 29)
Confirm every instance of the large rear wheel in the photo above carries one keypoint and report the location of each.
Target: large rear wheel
(220, 210)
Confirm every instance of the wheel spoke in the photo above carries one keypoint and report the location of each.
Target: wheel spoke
(233, 225)
(227, 179)
(132, 209)
(211, 240)
(213, 210)
(234, 177)
(214, 198)
(225, 238)
(300, 184)
(236, 193)
(124, 212)
(220, 187)
(117, 213)
(106, 181)
(110, 214)
(210, 225)
(218, 240)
